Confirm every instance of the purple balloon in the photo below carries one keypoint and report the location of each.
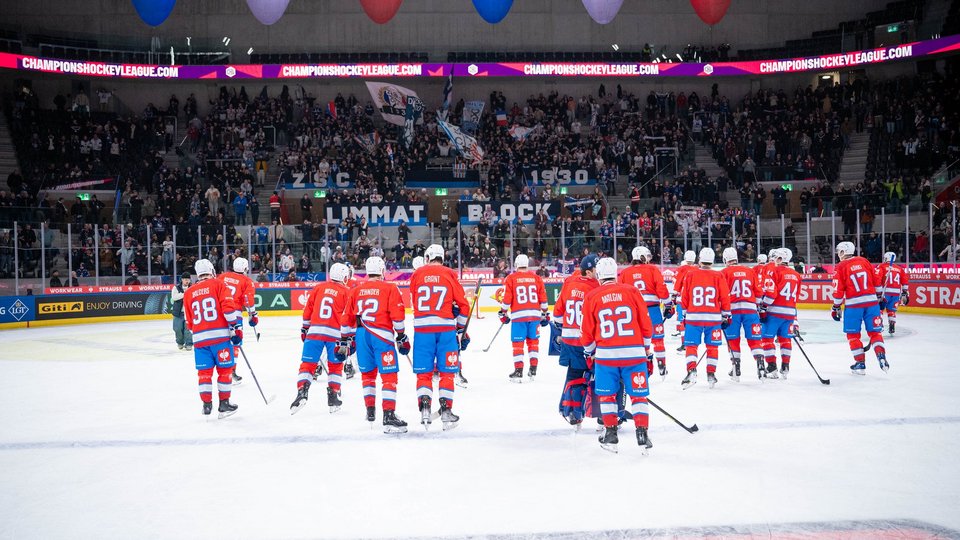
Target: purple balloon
(154, 12)
(602, 11)
(268, 11)
(493, 11)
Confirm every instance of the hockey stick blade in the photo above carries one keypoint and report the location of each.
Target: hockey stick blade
(815, 372)
(691, 430)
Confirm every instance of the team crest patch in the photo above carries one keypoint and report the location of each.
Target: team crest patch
(224, 355)
(717, 335)
(452, 359)
(658, 329)
(757, 328)
(388, 358)
(639, 381)
(878, 321)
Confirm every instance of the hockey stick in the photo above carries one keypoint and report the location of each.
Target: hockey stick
(822, 380)
(461, 381)
(494, 337)
(691, 430)
(254, 375)
(694, 370)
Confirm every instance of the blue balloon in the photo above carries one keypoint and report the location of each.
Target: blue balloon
(493, 11)
(154, 12)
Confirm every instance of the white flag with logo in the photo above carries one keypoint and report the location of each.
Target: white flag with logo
(464, 144)
(391, 101)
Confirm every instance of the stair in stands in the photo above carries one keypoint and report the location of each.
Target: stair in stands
(853, 167)
(8, 156)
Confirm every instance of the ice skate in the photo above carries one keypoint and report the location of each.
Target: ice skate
(609, 439)
(348, 370)
(761, 372)
(784, 370)
(236, 379)
(712, 379)
(180, 347)
(226, 408)
(425, 414)
(892, 328)
(446, 415)
(392, 424)
(532, 373)
(772, 370)
(858, 368)
(460, 380)
(882, 359)
(371, 414)
(207, 408)
(643, 439)
(333, 400)
(517, 375)
(662, 368)
(689, 380)
(301, 399)
(735, 371)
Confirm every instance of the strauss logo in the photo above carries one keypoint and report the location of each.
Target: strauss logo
(639, 381)
(388, 359)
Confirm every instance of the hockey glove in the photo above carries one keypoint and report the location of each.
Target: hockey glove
(544, 318)
(343, 349)
(589, 359)
(762, 311)
(303, 334)
(904, 297)
(882, 300)
(725, 322)
(795, 330)
(504, 318)
(237, 336)
(835, 312)
(254, 319)
(464, 341)
(403, 344)
(669, 310)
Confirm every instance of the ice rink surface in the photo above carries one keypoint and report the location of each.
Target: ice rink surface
(101, 436)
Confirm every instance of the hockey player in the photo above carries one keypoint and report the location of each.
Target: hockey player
(744, 292)
(706, 298)
(525, 296)
(616, 337)
(182, 334)
(348, 370)
(214, 318)
(373, 312)
(646, 277)
(895, 285)
(764, 267)
(418, 263)
(320, 334)
(778, 311)
(688, 263)
(439, 315)
(243, 293)
(855, 285)
(568, 316)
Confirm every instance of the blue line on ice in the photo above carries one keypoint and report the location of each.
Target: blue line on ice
(454, 435)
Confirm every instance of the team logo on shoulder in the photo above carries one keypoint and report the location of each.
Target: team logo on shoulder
(717, 335)
(388, 358)
(757, 328)
(639, 381)
(452, 359)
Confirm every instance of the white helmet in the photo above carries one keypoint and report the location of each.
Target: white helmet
(241, 265)
(433, 251)
(204, 267)
(339, 273)
(889, 257)
(375, 266)
(642, 253)
(707, 256)
(636, 253)
(689, 257)
(730, 254)
(846, 249)
(418, 262)
(772, 254)
(606, 269)
(785, 255)
(761, 259)
(522, 261)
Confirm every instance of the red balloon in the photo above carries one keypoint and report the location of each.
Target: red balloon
(710, 11)
(381, 11)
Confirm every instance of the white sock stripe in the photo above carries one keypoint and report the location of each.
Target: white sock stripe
(224, 387)
(390, 395)
(206, 387)
(640, 408)
(335, 379)
(448, 394)
(369, 392)
(608, 408)
(424, 391)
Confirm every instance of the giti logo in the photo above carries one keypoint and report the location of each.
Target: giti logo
(61, 307)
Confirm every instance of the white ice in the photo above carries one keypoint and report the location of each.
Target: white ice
(101, 436)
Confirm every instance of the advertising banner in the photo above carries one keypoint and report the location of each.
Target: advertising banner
(472, 212)
(72, 306)
(17, 309)
(388, 215)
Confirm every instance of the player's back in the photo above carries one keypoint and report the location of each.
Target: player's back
(892, 278)
(210, 309)
(743, 287)
(679, 277)
(705, 297)
(434, 290)
(762, 272)
(525, 295)
(378, 306)
(781, 295)
(241, 288)
(324, 309)
(569, 306)
(648, 280)
(615, 318)
(855, 282)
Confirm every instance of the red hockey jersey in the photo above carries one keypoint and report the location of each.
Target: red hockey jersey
(780, 295)
(378, 305)
(241, 287)
(744, 289)
(323, 310)
(678, 278)
(764, 273)
(892, 279)
(648, 280)
(434, 291)
(210, 310)
(705, 297)
(568, 310)
(524, 295)
(616, 326)
(855, 283)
